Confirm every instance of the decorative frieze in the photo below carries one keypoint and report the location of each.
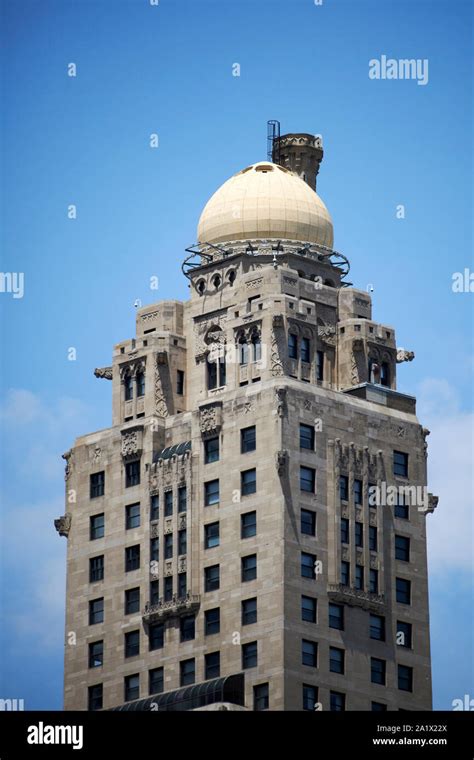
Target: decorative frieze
(210, 418)
(355, 598)
(132, 442)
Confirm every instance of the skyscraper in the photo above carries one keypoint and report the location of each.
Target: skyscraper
(250, 531)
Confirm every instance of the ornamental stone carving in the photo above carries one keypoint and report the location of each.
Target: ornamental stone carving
(69, 457)
(280, 396)
(404, 356)
(63, 524)
(327, 334)
(281, 460)
(275, 346)
(161, 407)
(132, 443)
(357, 362)
(210, 418)
(105, 372)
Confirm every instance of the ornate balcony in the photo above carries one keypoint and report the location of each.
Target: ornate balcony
(173, 607)
(337, 592)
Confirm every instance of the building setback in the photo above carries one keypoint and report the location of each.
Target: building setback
(222, 530)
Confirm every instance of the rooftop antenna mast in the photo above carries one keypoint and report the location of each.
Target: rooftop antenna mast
(273, 141)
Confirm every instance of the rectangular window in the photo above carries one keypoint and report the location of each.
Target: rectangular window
(248, 482)
(132, 643)
(211, 493)
(307, 479)
(212, 621)
(211, 535)
(96, 569)
(403, 589)
(95, 697)
(132, 516)
(168, 546)
(249, 655)
(359, 577)
(97, 524)
(187, 628)
(168, 503)
(96, 654)
(211, 578)
(249, 568)
(337, 701)
(378, 707)
(154, 549)
(374, 581)
(377, 671)
(345, 573)
(187, 672)
(248, 439)
(96, 611)
(212, 665)
(97, 484)
(180, 382)
(132, 473)
(248, 525)
(373, 538)
(182, 541)
(319, 366)
(309, 653)
(140, 384)
(336, 616)
(344, 488)
(372, 496)
(308, 609)
(400, 464)
(307, 437)
(132, 600)
(182, 585)
(404, 634)
(357, 491)
(336, 660)
(155, 681)
(310, 697)
(377, 627)
(154, 592)
(359, 534)
(131, 687)
(308, 566)
(211, 450)
(156, 636)
(182, 499)
(305, 350)
(405, 678)
(168, 588)
(132, 558)
(261, 696)
(345, 530)
(154, 507)
(292, 346)
(249, 611)
(402, 548)
(308, 522)
(401, 507)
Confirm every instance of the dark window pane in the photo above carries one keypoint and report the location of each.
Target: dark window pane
(211, 450)
(131, 687)
(307, 479)
(308, 569)
(403, 589)
(248, 525)
(187, 627)
(345, 573)
(132, 516)
(155, 507)
(249, 655)
(212, 665)
(132, 600)
(96, 654)
(309, 653)
(168, 545)
(260, 696)
(292, 346)
(357, 491)
(379, 707)
(337, 701)
(307, 437)
(168, 590)
(248, 482)
(96, 611)
(305, 350)
(248, 439)
(374, 581)
(211, 578)
(359, 577)
(140, 384)
(96, 569)
(211, 535)
(182, 541)
(404, 634)
(182, 585)
(132, 474)
(377, 671)
(400, 463)
(405, 678)
(359, 534)
(249, 568)
(182, 499)
(212, 621)
(373, 538)
(168, 503)
(211, 492)
(345, 530)
(94, 696)
(180, 382)
(132, 558)
(156, 636)
(132, 643)
(155, 681)
(308, 609)
(249, 611)
(319, 366)
(97, 484)
(154, 592)
(187, 672)
(310, 697)
(402, 548)
(154, 549)
(336, 660)
(344, 488)
(401, 507)
(97, 523)
(336, 616)
(308, 522)
(377, 627)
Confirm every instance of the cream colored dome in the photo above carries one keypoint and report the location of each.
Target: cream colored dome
(265, 201)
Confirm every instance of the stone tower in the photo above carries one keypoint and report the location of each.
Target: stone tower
(252, 525)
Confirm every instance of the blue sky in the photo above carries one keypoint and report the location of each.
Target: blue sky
(85, 141)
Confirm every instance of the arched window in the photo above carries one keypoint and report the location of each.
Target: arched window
(140, 383)
(216, 370)
(374, 371)
(243, 350)
(385, 374)
(256, 347)
(216, 281)
(292, 346)
(231, 277)
(128, 387)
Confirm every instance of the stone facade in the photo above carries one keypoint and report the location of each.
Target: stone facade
(194, 377)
